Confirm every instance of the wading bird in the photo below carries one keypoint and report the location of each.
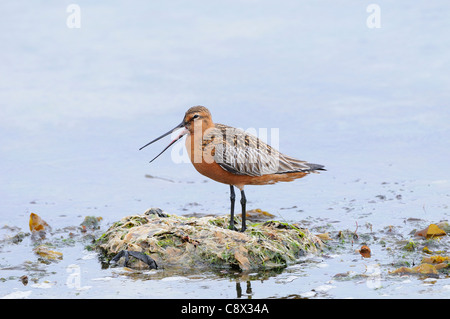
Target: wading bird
(231, 156)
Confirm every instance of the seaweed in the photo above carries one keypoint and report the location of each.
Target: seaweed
(206, 242)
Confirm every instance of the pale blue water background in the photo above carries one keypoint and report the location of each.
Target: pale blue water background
(372, 105)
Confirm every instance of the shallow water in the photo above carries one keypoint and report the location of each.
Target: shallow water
(369, 104)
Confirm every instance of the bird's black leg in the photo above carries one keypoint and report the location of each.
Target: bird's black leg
(232, 198)
(243, 202)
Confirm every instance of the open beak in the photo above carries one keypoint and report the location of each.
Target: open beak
(180, 135)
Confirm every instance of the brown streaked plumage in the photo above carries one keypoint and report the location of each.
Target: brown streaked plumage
(234, 157)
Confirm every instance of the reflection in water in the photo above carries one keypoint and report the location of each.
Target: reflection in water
(198, 279)
(248, 291)
(366, 102)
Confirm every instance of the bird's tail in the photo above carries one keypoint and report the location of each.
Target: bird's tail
(316, 167)
(295, 165)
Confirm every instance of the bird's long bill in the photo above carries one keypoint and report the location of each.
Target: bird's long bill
(182, 133)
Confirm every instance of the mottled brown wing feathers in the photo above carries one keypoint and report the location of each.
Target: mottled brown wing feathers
(244, 154)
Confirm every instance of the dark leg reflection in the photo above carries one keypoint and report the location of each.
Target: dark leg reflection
(248, 291)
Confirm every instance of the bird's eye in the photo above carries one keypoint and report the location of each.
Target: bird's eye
(196, 116)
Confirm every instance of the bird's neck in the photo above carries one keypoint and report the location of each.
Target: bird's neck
(198, 139)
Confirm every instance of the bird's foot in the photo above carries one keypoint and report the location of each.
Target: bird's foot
(232, 227)
(143, 257)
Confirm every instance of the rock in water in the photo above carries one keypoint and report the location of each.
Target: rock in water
(206, 242)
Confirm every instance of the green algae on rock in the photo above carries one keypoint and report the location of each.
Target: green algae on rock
(205, 242)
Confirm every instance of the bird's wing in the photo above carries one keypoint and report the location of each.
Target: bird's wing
(244, 154)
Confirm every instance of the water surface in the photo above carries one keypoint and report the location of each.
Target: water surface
(369, 104)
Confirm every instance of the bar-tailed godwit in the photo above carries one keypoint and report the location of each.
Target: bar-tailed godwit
(234, 157)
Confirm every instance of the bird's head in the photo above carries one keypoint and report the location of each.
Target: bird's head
(196, 119)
